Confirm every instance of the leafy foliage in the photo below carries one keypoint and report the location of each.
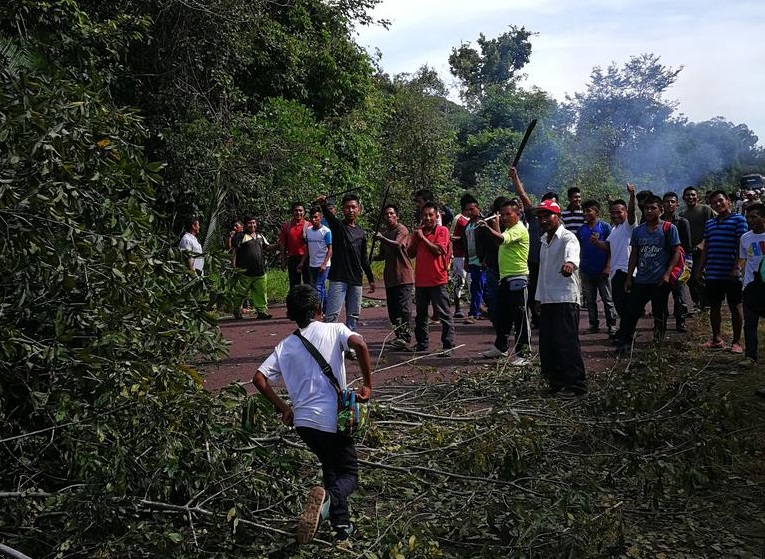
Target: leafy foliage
(117, 120)
(497, 64)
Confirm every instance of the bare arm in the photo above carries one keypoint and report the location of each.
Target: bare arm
(525, 200)
(492, 230)
(631, 269)
(326, 258)
(358, 344)
(672, 263)
(264, 387)
(631, 204)
(438, 250)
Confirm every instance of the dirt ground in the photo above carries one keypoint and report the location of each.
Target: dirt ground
(251, 341)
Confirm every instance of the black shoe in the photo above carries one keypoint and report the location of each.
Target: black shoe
(238, 314)
(569, 393)
(343, 531)
(447, 351)
(680, 327)
(421, 348)
(264, 316)
(614, 336)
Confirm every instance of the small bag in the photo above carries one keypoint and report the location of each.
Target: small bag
(681, 273)
(352, 409)
(516, 283)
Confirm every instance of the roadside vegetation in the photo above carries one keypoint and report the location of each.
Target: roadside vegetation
(118, 120)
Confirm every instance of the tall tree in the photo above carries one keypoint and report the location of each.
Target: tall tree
(497, 64)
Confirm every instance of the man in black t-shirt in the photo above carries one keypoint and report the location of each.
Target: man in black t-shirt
(349, 262)
(247, 254)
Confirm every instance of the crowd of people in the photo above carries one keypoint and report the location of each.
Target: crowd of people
(521, 266)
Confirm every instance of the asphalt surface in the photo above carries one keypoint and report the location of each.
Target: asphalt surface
(251, 341)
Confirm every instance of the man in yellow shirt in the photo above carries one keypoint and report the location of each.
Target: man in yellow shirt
(512, 293)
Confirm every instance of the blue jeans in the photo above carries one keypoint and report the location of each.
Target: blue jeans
(477, 282)
(490, 290)
(341, 292)
(319, 281)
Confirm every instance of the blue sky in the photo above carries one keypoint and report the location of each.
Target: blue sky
(721, 45)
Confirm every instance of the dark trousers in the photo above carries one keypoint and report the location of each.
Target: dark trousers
(678, 296)
(510, 317)
(439, 297)
(754, 308)
(533, 280)
(618, 293)
(399, 302)
(490, 293)
(339, 466)
(592, 285)
(296, 278)
(658, 294)
(560, 354)
(695, 286)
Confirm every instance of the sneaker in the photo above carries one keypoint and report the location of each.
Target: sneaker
(592, 330)
(343, 531)
(264, 316)
(747, 363)
(312, 513)
(469, 320)
(398, 345)
(447, 351)
(736, 348)
(611, 331)
(520, 361)
(350, 354)
(569, 393)
(459, 314)
(680, 327)
(615, 335)
(238, 314)
(493, 353)
(421, 348)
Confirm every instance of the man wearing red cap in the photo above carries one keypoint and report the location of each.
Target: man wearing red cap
(557, 295)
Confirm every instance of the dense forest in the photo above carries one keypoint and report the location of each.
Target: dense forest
(120, 119)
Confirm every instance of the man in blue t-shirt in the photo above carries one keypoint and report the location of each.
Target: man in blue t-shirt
(595, 267)
(722, 279)
(655, 251)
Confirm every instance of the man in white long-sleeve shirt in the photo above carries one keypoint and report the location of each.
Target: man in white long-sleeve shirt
(557, 294)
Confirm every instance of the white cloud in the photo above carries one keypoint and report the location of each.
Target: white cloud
(719, 45)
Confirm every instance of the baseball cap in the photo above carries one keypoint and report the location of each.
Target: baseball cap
(548, 206)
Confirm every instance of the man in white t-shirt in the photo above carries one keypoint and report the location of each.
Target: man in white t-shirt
(318, 257)
(314, 405)
(191, 245)
(624, 220)
(750, 255)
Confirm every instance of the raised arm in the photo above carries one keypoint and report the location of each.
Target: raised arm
(525, 200)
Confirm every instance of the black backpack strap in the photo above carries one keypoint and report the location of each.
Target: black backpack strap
(325, 368)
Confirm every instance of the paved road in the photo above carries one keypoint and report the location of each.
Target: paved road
(253, 340)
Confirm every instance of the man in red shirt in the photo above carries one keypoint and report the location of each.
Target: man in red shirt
(292, 240)
(430, 245)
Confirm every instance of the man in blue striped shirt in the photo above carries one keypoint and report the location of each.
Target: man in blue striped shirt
(722, 278)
